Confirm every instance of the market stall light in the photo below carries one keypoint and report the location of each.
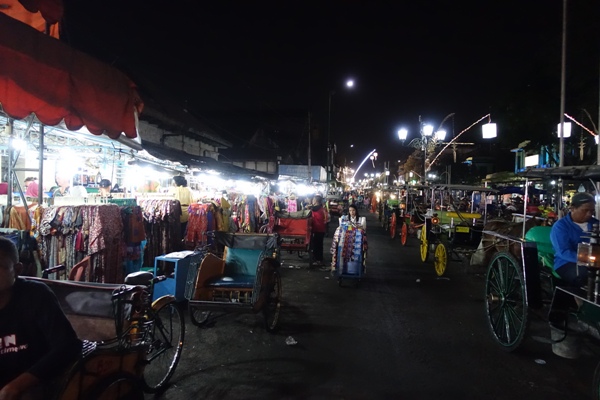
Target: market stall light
(18, 144)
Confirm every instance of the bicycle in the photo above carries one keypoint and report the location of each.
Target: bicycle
(128, 337)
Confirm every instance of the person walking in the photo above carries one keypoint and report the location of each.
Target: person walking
(182, 193)
(319, 223)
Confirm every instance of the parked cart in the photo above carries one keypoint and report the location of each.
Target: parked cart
(294, 230)
(521, 284)
(241, 276)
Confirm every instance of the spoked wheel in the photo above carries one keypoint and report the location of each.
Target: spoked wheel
(166, 343)
(393, 226)
(506, 305)
(424, 244)
(596, 385)
(441, 259)
(404, 233)
(120, 386)
(198, 316)
(272, 308)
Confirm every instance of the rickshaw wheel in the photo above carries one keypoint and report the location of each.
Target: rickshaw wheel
(197, 316)
(166, 343)
(441, 259)
(404, 234)
(424, 244)
(596, 384)
(117, 386)
(506, 304)
(393, 226)
(272, 308)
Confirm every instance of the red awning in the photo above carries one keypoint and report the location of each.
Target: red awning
(35, 13)
(41, 75)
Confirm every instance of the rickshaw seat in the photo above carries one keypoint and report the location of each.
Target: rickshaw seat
(139, 278)
(237, 269)
(541, 236)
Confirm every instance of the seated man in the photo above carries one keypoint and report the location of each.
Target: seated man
(566, 235)
(37, 342)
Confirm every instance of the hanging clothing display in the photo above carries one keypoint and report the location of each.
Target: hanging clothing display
(201, 215)
(162, 226)
(349, 249)
(66, 234)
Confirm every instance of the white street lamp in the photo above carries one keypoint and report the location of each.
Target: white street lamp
(488, 131)
(427, 130)
(330, 148)
(440, 135)
(567, 130)
(402, 134)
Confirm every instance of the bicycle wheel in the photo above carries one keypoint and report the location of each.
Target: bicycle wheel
(506, 303)
(272, 307)
(393, 226)
(197, 316)
(121, 386)
(404, 233)
(166, 342)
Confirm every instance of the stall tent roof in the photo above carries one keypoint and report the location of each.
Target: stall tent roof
(41, 75)
(166, 153)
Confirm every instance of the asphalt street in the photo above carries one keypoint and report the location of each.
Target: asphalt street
(401, 333)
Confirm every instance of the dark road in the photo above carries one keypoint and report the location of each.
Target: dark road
(402, 333)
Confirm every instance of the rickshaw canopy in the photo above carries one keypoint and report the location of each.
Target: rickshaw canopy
(577, 172)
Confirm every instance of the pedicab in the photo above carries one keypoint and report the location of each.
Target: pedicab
(349, 250)
(521, 284)
(131, 344)
(411, 211)
(241, 274)
(452, 229)
(390, 211)
(294, 230)
(335, 205)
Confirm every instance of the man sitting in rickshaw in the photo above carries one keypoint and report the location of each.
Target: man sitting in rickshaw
(37, 342)
(566, 235)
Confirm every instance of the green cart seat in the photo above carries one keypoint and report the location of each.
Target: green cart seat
(541, 236)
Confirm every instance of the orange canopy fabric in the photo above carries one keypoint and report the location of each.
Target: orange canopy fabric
(41, 75)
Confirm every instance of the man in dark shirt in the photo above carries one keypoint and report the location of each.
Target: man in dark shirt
(37, 342)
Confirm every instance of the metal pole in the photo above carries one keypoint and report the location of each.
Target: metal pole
(329, 168)
(525, 200)
(309, 160)
(41, 167)
(598, 126)
(563, 86)
(9, 177)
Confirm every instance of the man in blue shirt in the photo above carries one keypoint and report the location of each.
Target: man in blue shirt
(566, 235)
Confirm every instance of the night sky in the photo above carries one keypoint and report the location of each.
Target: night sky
(408, 58)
